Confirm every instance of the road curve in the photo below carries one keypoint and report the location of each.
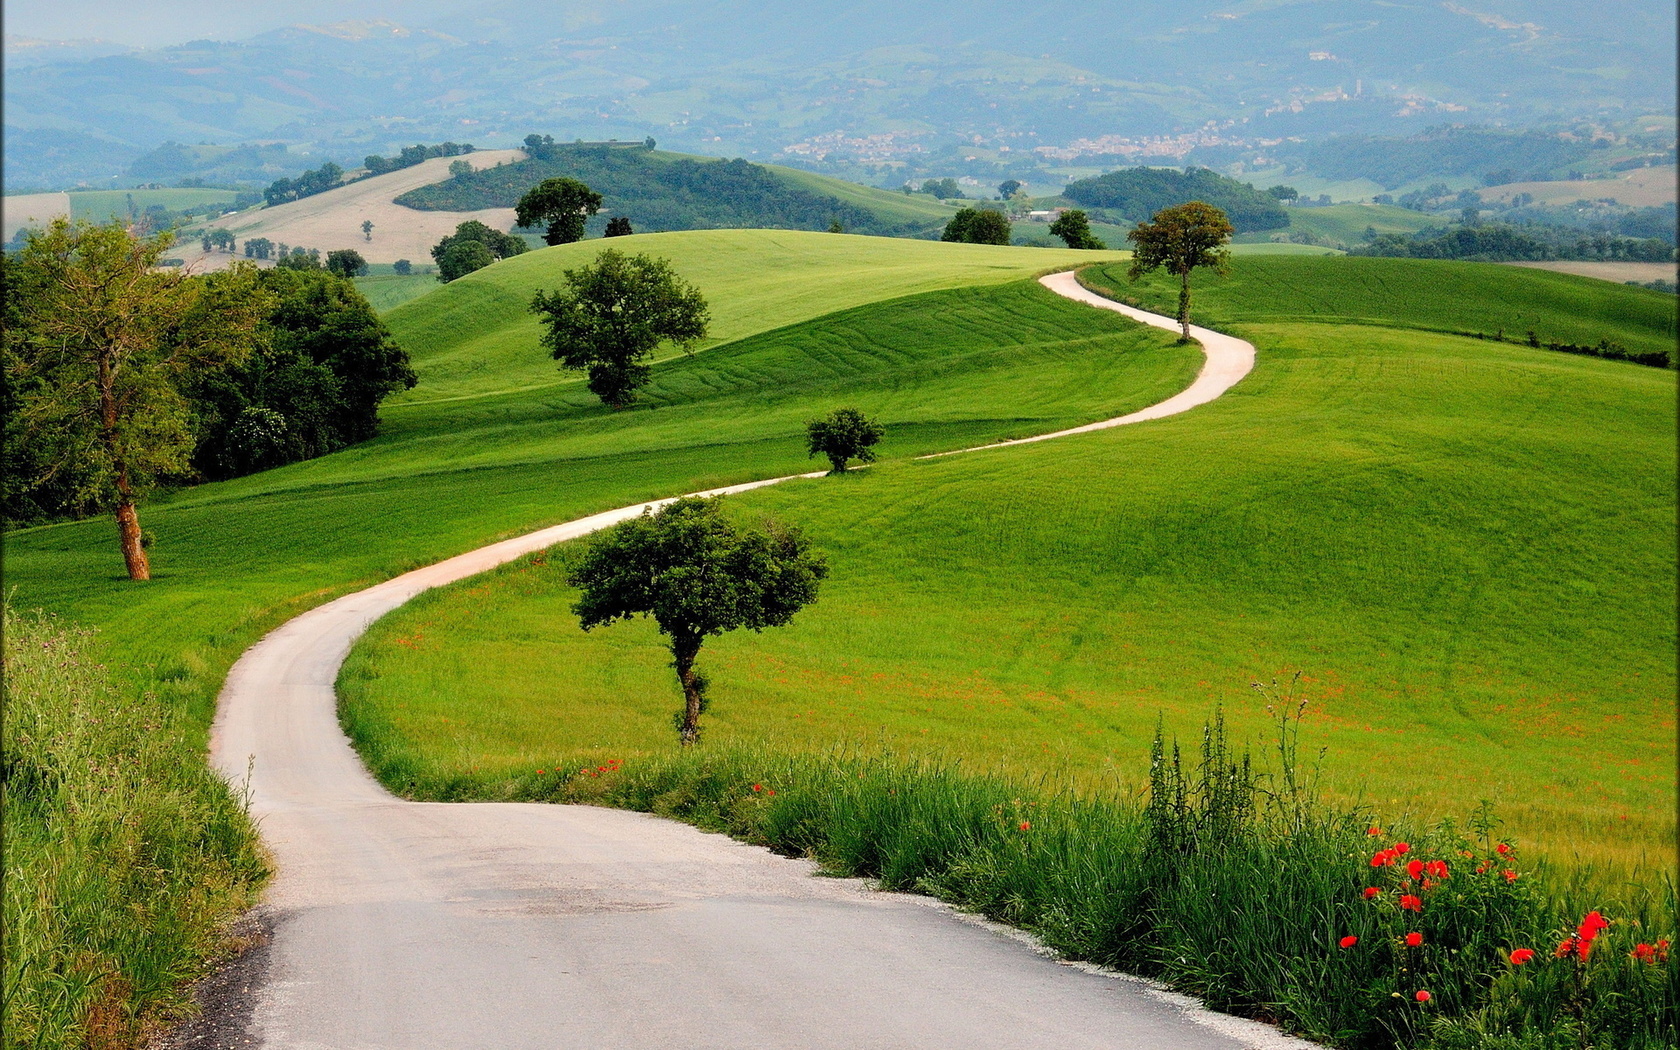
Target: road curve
(414, 926)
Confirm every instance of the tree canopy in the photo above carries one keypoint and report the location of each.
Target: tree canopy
(845, 434)
(1179, 240)
(977, 226)
(698, 575)
(612, 314)
(346, 262)
(563, 204)
(1074, 228)
(97, 341)
(473, 246)
(1137, 193)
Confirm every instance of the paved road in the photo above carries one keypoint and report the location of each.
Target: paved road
(414, 926)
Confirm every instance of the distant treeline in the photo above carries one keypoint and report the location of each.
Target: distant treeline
(1504, 242)
(409, 156)
(658, 192)
(1603, 348)
(330, 175)
(1491, 155)
(1135, 194)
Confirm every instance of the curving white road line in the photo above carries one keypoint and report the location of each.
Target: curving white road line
(427, 925)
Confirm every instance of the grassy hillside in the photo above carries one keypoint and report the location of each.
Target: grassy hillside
(890, 205)
(1452, 538)
(1454, 297)
(482, 336)
(1344, 225)
(105, 205)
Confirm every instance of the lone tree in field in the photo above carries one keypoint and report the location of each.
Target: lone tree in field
(619, 226)
(977, 226)
(346, 262)
(697, 574)
(612, 314)
(846, 434)
(563, 204)
(1179, 239)
(1074, 228)
(97, 342)
(367, 228)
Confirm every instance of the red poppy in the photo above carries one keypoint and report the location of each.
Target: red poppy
(1026, 825)
(771, 791)
(540, 772)
(758, 787)
(1401, 848)
(1414, 939)
(1510, 876)
(1521, 955)
(1423, 996)
(1645, 952)
(1503, 848)
(1410, 903)
(1373, 831)
(1372, 891)
(1383, 857)
(1350, 941)
(1414, 869)
(1437, 868)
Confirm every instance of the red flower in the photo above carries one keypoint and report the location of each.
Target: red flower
(758, 787)
(1510, 876)
(1645, 953)
(1414, 869)
(1350, 941)
(1026, 825)
(1521, 955)
(1504, 848)
(1423, 996)
(540, 772)
(1372, 891)
(1373, 831)
(1383, 857)
(1572, 945)
(1414, 939)
(1591, 924)
(1411, 903)
(771, 791)
(1437, 868)
(1401, 848)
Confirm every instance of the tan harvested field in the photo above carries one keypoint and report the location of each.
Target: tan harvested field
(1620, 272)
(31, 209)
(333, 220)
(1639, 188)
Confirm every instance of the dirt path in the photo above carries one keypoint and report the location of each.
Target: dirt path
(423, 925)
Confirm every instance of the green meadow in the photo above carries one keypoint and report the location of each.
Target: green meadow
(1464, 546)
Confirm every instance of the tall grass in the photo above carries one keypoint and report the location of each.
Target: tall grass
(1234, 884)
(124, 854)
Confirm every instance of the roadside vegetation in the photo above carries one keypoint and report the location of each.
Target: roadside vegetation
(125, 856)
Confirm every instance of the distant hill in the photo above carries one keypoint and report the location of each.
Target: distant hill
(662, 192)
(1134, 194)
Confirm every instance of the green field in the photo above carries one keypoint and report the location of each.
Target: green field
(890, 205)
(387, 290)
(1345, 224)
(1465, 546)
(104, 205)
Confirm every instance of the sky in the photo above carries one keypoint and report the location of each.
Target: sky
(157, 23)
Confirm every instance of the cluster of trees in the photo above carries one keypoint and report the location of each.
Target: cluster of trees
(1504, 242)
(1134, 194)
(1503, 156)
(121, 376)
(977, 226)
(473, 246)
(308, 184)
(409, 156)
(1074, 228)
(661, 192)
(944, 189)
(218, 239)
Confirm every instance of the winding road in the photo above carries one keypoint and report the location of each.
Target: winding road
(414, 926)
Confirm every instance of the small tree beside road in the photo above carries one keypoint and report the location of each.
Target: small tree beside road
(846, 434)
(698, 575)
(1179, 239)
(612, 314)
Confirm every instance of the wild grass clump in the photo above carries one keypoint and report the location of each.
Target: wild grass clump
(1236, 884)
(125, 856)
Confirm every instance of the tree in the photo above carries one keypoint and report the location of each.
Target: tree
(1284, 193)
(1009, 188)
(367, 228)
(698, 575)
(402, 267)
(612, 314)
(563, 204)
(836, 226)
(346, 262)
(1179, 239)
(619, 226)
(100, 343)
(456, 257)
(1074, 228)
(977, 226)
(460, 169)
(300, 259)
(845, 435)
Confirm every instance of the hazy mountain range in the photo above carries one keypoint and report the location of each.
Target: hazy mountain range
(871, 88)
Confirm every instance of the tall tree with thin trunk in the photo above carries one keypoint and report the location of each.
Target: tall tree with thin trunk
(697, 574)
(98, 343)
(1179, 239)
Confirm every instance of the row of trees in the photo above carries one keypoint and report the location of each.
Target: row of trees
(308, 184)
(121, 376)
(409, 156)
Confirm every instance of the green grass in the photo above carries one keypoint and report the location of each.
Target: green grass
(389, 290)
(105, 205)
(124, 853)
(1344, 225)
(1457, 297)
(890, 205)
(482, 337)
(1466, 546)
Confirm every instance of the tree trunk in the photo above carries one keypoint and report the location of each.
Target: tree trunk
(128, 534)
(1184, 304)
(685, 650)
